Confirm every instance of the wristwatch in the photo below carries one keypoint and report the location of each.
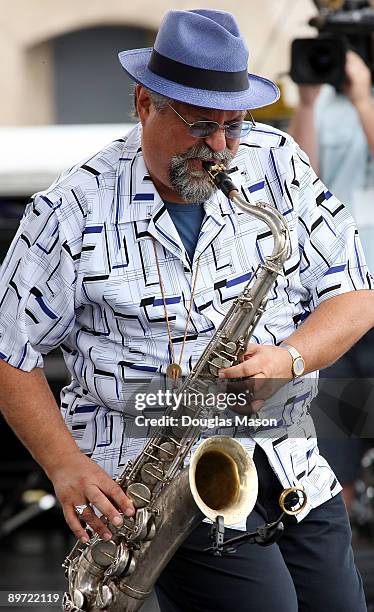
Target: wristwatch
(298, 363)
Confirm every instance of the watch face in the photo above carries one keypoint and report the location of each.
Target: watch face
(298, 366)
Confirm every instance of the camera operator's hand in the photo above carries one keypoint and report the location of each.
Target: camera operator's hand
(301, 126)
(357, 86)
(308, 94)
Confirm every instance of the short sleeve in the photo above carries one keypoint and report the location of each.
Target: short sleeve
(37, 285)
(332, 261)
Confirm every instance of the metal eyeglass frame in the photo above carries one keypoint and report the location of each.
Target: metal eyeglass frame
(245, 129)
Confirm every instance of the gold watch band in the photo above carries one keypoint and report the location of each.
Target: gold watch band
(298, 363)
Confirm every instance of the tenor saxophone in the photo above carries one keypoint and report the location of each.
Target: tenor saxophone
(170, 499)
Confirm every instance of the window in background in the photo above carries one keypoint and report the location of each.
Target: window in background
(89, 84)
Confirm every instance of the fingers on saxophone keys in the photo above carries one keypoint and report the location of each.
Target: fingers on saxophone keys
(120, 500)
(74, 522)
(98, 525)
(112, 504)
(85, 513)
(236, 371)
(112, 501)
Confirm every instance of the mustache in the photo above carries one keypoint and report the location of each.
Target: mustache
(205, 153)
(194, 185)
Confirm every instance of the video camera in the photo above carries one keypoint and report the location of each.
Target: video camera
(322, 59)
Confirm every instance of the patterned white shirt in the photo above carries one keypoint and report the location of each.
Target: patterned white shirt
(81, 274)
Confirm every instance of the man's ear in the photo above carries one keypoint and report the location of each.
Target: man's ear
(143, 103)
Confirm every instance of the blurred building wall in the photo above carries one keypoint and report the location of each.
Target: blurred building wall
(29, 30)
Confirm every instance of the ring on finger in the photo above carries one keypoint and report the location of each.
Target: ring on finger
(80, 508)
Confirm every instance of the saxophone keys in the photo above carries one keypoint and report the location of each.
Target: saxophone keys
(166, 450)
(151, 529)
(104, 552)
(123, 565)
(104, 597)
(128, 525)
(139, 493)
(67, 603)
(141, 527)
(150, 474)
(217, 364)
(230, 347)
(78, 599)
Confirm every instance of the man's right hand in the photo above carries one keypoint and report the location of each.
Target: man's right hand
(79, 480)
(31, 410)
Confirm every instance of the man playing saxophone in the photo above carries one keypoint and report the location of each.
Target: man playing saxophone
(130, 261)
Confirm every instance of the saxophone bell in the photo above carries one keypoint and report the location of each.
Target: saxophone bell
(223, 480)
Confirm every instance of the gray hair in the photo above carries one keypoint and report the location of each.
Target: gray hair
(159, 102)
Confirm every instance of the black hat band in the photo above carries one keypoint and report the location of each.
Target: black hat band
(199, 78)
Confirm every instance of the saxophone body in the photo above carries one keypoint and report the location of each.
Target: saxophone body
(171, 500)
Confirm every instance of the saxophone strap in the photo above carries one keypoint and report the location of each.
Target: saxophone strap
(174, 368)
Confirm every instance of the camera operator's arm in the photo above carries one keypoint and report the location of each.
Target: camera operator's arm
(358, 89)
(302, 123)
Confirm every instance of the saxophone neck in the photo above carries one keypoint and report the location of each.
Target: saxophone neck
(271, 216)
(277, 225)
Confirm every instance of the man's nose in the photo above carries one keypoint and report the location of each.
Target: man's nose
(217, 140)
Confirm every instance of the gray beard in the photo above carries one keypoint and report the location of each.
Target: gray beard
(194, 185)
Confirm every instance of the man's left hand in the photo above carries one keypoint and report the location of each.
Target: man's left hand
(267, 369)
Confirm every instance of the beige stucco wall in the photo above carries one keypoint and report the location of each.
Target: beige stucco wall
(26, 26)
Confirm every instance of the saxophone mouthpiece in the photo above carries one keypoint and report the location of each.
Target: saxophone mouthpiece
(219, 177)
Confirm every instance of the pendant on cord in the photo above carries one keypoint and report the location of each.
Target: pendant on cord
(174, 371)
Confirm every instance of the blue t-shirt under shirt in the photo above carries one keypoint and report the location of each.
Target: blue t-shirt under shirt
(187, 218)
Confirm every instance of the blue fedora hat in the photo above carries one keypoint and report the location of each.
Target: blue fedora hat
(200, 58)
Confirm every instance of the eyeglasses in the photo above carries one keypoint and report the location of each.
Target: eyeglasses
(204, 129)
